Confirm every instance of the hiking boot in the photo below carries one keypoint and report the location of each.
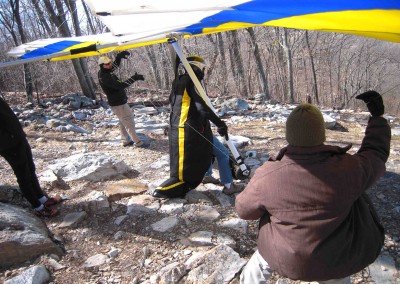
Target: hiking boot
(127, 144)
(47, 212)
(158, 194)
(234, 188)
(210, 179)
(51, 201)
(143, 144)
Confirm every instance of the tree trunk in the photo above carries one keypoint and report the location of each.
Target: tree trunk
(289, 66)
(87, 86)
(89, 18)
(257, 57)
(42, 17)
(165, 67)
(224, 67)
(313, 72)
(237, 63)
(60, 21)
(27, 73)
(154, 66)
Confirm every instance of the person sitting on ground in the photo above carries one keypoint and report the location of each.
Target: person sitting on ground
(316, 222)
(114, 89)
(221, 153)
(15, 149)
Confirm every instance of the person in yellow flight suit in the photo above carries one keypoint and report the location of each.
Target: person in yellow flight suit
(190, 135)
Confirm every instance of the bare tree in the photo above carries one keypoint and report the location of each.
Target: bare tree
(289, 67)
(223, 64)
(14, 5)
(156, 70)
(42, 17)
(237, 63)
(260, 67)
(313, 71)
(59, 19)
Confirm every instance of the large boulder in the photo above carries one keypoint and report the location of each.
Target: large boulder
(23, 236)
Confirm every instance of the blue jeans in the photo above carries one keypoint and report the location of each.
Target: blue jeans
(221, 153)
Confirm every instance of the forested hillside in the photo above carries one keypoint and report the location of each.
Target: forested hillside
(285, 65)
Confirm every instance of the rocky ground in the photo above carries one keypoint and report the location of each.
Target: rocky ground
(138, 250)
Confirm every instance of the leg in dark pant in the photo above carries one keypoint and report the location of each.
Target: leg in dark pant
(21, 161)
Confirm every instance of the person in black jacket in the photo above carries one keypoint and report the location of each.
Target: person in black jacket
(15, 149)
(114, 89)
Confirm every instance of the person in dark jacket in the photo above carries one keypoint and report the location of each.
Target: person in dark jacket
(114, 89)
(190, 135)
(15, 149)
(308, 201)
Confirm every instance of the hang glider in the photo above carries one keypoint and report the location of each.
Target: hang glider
(144, 22)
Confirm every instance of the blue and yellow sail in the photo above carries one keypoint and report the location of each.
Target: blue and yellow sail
(136, 23)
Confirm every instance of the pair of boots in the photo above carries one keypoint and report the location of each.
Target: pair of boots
(233, 188)
(47, 208)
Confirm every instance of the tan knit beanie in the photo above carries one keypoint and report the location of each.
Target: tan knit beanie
(305, 126)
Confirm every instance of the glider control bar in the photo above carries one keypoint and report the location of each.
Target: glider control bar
(239, 160)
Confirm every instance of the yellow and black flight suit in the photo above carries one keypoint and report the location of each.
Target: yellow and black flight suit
(190, 138)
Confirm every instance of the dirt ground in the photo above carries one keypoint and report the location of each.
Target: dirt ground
(96, 234)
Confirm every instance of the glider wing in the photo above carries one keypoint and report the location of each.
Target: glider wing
(144, 22)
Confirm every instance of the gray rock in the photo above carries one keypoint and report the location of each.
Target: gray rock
(34, 275)
(8, 193)
(235, 104)
(165, 224)
(200, 212)
(55, 265)
(113, 253)
(383, 270)
(97, 202)
(81, 115)
(23, 236)
(173, 206)
(96, 260)
(201, 238)
(329, 121)
(216, 266)
(120, 219)
(75, 128)
(162, 163)
(195, 196)
(145, 110)
(54, 123)
(237, 140)
(170, 274)
(92, 166)
(142, 204)
(236, 224)
(395, 131)
(223, 199)
(72, 219)
(224, 239)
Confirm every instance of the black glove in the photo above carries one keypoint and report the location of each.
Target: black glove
(223, 130)
(374, 102)
(137, 77)
(123, 54)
